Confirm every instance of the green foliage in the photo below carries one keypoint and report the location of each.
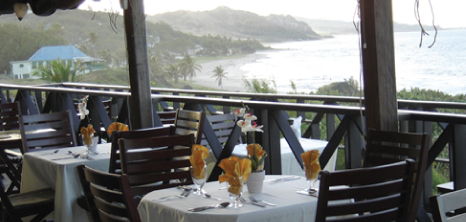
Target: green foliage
(58, 71)
(19, 42)
(260, 86)
(219, 74)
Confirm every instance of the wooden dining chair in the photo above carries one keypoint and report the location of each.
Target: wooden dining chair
(385, 147)
(167, 117)
(190, 122)
(115, 165)
(108, 195)
(9, 156)
(38, 203)
(222, 125)
(47, 131)
(449, 207)
(382, 193)
(155, 163)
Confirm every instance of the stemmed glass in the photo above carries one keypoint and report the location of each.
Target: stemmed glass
(235, 189)
(199, 181)
(312, 177)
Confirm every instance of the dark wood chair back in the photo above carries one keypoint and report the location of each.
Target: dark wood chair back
(9, 113)
(382, 192)
(449, 207)
(38, 203)
(47, 131)
(385, 147)
(115, 165)
(167, 117)
(156, 162)
(108, 195)
(222, 125)
(190, 122)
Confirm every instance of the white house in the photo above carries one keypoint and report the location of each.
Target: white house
(45, 55)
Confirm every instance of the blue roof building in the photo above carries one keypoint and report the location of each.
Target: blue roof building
(45, 55)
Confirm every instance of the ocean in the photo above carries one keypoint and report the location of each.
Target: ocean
(312, 64)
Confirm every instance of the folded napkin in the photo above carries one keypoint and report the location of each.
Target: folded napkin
(116, 126)
(87, 134)
(311, 163)
(197, 159)
(234, 169)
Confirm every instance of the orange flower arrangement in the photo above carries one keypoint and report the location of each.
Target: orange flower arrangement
(311, 163)
(197, 159)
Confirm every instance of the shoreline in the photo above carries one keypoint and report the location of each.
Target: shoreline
(235, 75)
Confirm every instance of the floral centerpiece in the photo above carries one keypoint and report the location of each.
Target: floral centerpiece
(87, 133)
(256, 154)
(255, 151)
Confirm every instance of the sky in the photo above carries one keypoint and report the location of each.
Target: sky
(447, 13)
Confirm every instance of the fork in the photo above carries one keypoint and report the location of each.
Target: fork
(182, 195)
(244, 201)
(254, 200)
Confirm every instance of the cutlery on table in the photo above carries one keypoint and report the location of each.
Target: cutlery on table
(220, 205)
(244, 201)
(183, 195)
(314, 194)
(254, 200)
(283, 179)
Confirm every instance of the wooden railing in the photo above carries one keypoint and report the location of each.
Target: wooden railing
(343, 118)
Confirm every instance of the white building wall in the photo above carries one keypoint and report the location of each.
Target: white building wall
(21, 69)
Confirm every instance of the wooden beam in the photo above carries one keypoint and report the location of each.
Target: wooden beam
(378, 57)
(136, 43)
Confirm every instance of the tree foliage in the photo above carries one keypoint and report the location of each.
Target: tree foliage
(219, 74)
(59, 72)
(19, 42)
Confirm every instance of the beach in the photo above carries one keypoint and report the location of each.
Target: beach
(233, 69)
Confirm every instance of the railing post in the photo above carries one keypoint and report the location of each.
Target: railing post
(353, 144)
(458, 156)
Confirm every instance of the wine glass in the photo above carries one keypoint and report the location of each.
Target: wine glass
(312, 174)
(199, 180)
(235, 189)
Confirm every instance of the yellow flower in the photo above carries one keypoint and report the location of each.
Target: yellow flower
(198, 155)
(311, 163)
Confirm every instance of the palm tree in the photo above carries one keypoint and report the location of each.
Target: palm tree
(219, 73)
(173, 71)
(189, 67)
(59, 71)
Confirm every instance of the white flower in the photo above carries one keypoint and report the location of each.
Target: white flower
(247, 126)
(240, 112)
(83, 111)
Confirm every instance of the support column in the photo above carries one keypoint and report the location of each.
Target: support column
(379, 64)
(139, 77)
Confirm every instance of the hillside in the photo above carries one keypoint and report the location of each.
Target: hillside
(224, 21)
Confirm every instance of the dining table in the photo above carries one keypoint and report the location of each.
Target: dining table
(279, 190)
(56, 169)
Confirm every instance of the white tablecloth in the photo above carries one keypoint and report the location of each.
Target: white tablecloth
(290, 206)
(290, 165)
(44, 169)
